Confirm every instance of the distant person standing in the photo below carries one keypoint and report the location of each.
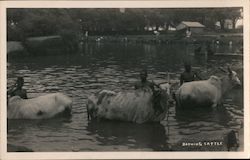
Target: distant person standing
(230, 47)
(86, 35)
(209, 48)
(188, 33)
(17, 90)
(188, 75)
(217, 45)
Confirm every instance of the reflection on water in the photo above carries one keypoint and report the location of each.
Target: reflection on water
(115, 67)
(150, 136)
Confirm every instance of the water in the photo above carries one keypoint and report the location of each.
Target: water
(115, 66)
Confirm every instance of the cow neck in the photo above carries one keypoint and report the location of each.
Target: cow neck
(225, 84)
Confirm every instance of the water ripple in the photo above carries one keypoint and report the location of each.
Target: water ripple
(104, 68)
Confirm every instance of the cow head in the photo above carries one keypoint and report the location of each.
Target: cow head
(166, 87)
(169, 90)
(234, 79)
(92, 108)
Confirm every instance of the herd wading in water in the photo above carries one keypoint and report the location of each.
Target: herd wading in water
(145, 101)
(149, 102)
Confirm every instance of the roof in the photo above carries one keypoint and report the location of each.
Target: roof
(192, 24)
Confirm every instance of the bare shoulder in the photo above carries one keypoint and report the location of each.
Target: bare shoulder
(137, 84)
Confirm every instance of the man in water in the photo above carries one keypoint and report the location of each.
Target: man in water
(17, 90)
(188, 75)
(144, 82)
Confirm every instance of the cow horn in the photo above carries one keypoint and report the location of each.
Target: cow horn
(223, 70)
(168, 78)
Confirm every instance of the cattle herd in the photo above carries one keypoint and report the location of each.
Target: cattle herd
(135, 106)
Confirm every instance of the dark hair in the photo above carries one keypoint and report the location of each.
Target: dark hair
(19, 78)
(187, 67)
(144, 71)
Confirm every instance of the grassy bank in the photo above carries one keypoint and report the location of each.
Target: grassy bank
(57, 45)
(172, 37)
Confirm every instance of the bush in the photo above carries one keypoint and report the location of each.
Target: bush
(45, 45)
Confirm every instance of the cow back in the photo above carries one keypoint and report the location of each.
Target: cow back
(199, 93)
(41, 107)
(136, 106)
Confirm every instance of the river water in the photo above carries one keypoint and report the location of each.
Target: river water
(115, 66)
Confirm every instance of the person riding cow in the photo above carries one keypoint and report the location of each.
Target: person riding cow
(188, 75)
(18, 90)
(144, 83)
(147, 103)
(208, 92)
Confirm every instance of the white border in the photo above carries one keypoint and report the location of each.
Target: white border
(122, 4)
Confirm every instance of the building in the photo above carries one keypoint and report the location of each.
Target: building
(228, 24)
(239, 24)
(171, 28)
(194, 27)
(217, 25)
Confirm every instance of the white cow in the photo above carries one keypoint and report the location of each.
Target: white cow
(41, 107)
(135, 106)
(206, 92)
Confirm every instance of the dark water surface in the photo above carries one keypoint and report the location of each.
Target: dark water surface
(115, 67)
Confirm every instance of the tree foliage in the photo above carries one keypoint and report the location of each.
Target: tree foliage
(28, 22)
(39, 22)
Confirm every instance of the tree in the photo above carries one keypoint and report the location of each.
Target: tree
(221, 14)
(39, 22)
(28, 22)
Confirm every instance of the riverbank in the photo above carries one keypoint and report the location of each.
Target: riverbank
(48, 45)
(172, 37)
